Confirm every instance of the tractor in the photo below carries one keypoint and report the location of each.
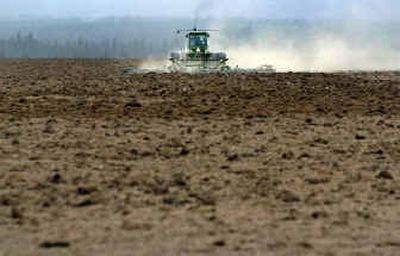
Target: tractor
(196, 57)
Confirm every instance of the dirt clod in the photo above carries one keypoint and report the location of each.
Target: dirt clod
(56, 178)
(386, 175)
(288, 196)
(360, 137)
(54, 244)
(219, 243)
(16, 213)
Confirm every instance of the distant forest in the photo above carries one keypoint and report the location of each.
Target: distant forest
(143, 37)
(77, 38)
(28, 46)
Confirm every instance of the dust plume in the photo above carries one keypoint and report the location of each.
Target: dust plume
(324, 53)
(314, 36)
(153, 63)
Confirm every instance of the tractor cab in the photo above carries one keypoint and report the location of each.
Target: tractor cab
(198, 41)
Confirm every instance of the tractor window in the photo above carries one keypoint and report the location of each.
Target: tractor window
(197, 40)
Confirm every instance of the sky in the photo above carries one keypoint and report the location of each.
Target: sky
(270, 9)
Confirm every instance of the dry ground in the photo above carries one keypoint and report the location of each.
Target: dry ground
(96, 163)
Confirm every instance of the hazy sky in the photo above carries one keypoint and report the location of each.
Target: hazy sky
(376, 9)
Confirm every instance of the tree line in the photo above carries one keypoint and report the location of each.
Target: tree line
(28, 46)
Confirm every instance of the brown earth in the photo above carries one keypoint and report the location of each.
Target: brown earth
(93, 162)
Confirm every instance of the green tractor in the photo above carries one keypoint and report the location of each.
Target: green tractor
(197, 58)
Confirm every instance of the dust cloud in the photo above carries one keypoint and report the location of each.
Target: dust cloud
(332, 36)
(327, 53)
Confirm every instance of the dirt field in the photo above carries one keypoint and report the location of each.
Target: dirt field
(96, 163)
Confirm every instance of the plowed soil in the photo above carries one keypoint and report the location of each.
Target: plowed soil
(93, 162)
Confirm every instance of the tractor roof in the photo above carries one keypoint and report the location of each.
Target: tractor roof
(196, 32)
